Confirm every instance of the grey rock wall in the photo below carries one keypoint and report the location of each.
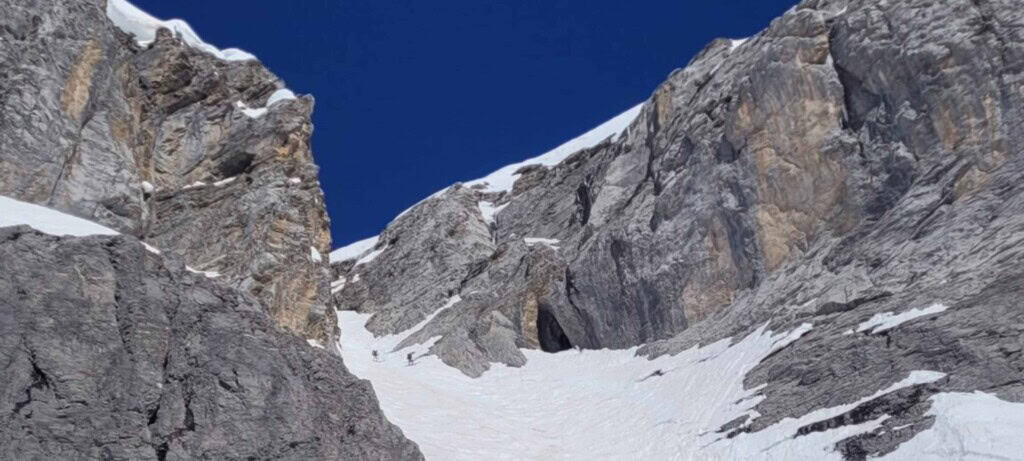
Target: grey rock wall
(854, 158)
(113, 352)
(87, 117)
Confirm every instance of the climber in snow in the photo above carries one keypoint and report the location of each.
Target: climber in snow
(409, 357)
(654, 373)
(376, 357)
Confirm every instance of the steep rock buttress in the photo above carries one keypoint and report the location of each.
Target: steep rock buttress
(856, 160)
(165, 142)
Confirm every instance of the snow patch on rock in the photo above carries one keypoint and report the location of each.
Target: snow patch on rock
(143, 26)
(887, 320)
(967, 426)
(368, 257)
(419, 326)
(207, 274)
(338, 285)
(489, 211)
(505, 177)
(15, 212)
(224, 182)
(551, 243)
(315, 343)
(49, 221)
(282, 94)
(354, 250)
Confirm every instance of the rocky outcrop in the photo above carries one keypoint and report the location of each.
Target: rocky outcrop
(855, 158)
(114, 352)
(162, 141)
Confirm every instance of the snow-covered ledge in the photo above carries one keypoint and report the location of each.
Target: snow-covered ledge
(143, 26)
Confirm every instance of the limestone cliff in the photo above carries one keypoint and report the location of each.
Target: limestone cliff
(855, 158)
(162, 141)
(115, 352)
(203, 347)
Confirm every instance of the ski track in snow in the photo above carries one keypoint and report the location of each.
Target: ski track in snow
(593, 404)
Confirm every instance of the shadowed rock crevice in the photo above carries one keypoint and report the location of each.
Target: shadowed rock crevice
(549, 332)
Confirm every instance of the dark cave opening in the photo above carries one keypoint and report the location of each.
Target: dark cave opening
(549, 332)
(235, 164)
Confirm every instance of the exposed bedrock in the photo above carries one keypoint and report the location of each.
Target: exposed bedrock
(854, 158)
(113, 352)
(156, 142)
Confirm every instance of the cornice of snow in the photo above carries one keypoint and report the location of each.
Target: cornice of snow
(502, 179)
(505, 177)
(353, 250)
(130, 19)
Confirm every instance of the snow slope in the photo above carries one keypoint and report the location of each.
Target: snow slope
(353, 250)
(968, 426)
(609, 404)
(503, 179)
(133, 20)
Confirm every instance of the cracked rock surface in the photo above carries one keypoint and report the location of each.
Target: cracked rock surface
(112, 352)
(855, 158)
(155, 142)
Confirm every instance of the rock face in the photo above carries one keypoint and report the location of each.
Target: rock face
(113, 352)
(853, 159)
(160, 142)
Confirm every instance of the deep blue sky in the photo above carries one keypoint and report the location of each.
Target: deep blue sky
(413, 95)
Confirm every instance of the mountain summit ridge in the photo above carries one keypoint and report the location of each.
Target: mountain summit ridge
(856, 160)
(803, 244)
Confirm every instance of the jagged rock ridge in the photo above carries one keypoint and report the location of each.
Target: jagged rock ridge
(856, 158)
(160, 142)
(116, 352)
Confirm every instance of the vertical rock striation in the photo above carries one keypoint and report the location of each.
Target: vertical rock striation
(854, 159)
(114, 352)
(162, 141)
